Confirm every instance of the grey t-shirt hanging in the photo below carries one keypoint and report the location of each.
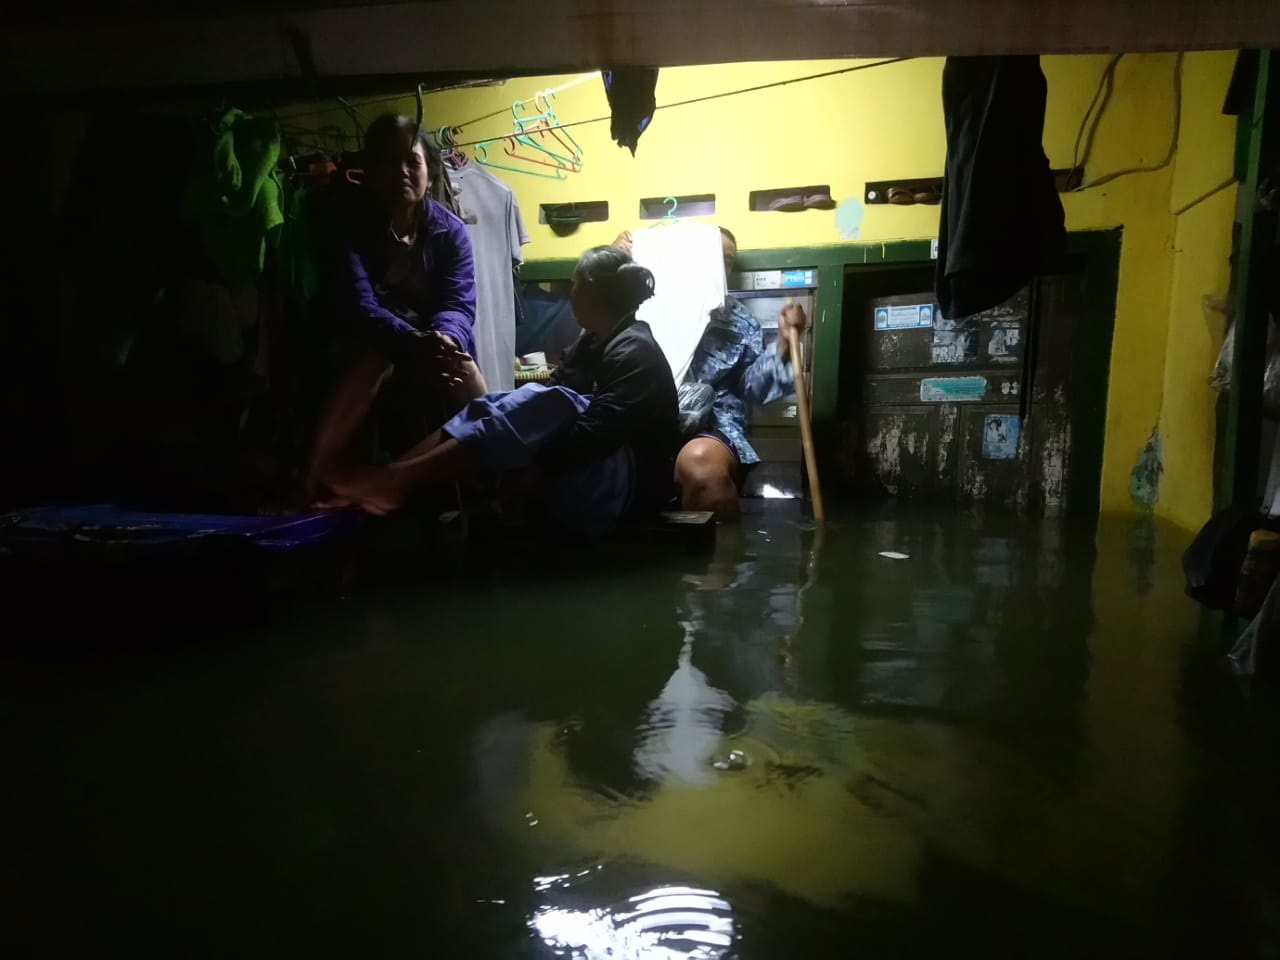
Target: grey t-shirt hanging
(497, 234)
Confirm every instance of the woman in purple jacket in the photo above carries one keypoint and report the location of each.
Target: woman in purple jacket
(406, 287)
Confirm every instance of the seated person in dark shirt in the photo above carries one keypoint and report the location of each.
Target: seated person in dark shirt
(596, 444)
(405, 286)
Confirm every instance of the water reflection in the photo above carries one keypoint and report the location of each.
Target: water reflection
(991, 738)
(889, 718)
(682, 727)
(664, 922)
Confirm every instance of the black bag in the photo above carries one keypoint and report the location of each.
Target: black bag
(1212, 562)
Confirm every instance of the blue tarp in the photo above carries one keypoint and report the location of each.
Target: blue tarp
(109, 524)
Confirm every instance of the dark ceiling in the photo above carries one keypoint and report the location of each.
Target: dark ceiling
(280, 47)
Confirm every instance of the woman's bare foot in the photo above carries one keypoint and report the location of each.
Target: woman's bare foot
(375, 490)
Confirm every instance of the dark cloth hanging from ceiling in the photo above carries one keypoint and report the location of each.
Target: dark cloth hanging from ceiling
(631, 102)
(1001, 221)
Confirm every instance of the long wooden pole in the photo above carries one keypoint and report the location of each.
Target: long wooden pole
(806, 428)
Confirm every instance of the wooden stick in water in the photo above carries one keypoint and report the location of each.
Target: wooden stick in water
(806, 428)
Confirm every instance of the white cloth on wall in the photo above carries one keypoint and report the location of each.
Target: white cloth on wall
(687, 262)
(497, 234)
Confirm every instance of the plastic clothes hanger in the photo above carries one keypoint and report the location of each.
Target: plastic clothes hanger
(542, 129)
(510, 150)
(546, 96)
(671, 217)
(522, 126)
(483, 159)
(449, 151)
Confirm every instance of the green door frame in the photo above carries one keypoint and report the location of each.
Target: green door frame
(1101, 249)
(1260, 132)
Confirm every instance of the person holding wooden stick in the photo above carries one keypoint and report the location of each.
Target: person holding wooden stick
(731, 358)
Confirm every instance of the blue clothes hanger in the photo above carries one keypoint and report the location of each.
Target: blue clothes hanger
(671, 213)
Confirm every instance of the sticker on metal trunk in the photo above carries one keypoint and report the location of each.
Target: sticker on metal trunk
(1000, 436)
(912, 316)
(952, 389)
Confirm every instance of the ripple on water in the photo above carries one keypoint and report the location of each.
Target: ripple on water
(583, 916)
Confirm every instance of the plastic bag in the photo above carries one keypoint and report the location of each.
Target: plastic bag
(1259, 639)
(1221, 378)
(695, 401)
(1212, 562)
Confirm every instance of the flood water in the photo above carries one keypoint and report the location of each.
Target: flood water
(917, 735)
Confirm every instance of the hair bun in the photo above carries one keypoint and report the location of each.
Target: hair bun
(637, 281)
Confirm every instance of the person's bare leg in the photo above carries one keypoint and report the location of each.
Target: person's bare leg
(345, 412)
(421, 448)
(459, 395)
(380, 490)
(704, 473)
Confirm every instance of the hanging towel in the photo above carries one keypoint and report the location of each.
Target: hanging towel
(631, 102)
(1001, 220)
(687, 262)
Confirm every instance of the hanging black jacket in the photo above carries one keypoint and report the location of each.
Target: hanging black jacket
(1001, 221)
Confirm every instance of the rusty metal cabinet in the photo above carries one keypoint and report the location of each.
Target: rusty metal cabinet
(939, 410)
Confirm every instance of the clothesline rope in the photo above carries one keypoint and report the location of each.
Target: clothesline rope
(588, 76)
(708, 97)
(551, 93)
(311, 110)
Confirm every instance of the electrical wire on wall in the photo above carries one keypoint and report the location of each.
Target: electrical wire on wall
(1108, 82)
(1101, 98)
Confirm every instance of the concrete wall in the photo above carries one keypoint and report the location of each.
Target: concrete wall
(1201, 267)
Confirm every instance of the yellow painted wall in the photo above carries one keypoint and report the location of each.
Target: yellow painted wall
(1201, 251)
(887, 122)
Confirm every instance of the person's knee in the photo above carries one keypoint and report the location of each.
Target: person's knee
(368, 373)
(700, 465)
(471, 385)
(704, 473)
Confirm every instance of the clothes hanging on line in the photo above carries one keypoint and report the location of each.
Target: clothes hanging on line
(631, 102)
(497, 234)
(1002, 222)
(233, 195)
(687, 263)
(298, 252)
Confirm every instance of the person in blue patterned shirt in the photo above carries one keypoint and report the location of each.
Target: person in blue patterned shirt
(732, 359)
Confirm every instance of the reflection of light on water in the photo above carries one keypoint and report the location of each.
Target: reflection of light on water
(665, 923)
(769, 492)
(682, 726)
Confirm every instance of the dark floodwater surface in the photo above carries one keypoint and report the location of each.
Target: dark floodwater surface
(1011, 738)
